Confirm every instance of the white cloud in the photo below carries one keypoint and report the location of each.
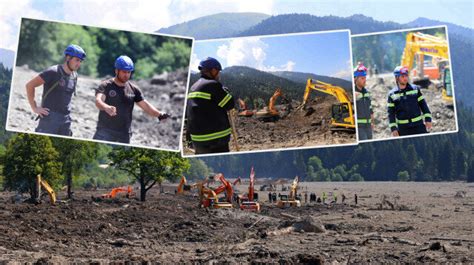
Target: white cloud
(194, 62)
(10, 14)
(249, 52)
(344, 74)
(288, 66)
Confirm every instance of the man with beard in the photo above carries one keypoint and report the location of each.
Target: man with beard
(59, 84)
(407, 107)
(365, 115)
(115, 98)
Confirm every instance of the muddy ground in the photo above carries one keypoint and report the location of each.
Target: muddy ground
(290, 131)
(166, 92)
(429, 223)
(443, 117)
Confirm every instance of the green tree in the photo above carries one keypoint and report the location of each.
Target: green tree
(27, 156)
(149, 167)
(403, 175)
(74, 156)
(356, 177)
(198, 169)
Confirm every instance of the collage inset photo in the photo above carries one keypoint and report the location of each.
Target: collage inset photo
(99, 84)
(273, 92)
(403, 84)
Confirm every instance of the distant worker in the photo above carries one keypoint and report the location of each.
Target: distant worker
(365, 114)
(305, 197)
(324, 197)
(376, 71)
(343, 198)
(59, 84)
(115, 98)
(407, 107)
(355, 199)
(334, 197)
(207, 106)
(270, 196)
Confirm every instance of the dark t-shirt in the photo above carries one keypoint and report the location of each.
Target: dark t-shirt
(59, 99)
(122, 98)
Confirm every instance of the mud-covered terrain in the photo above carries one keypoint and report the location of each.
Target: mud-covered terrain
(293, 130)
(392, 223)
(443, 118)
(166, 92)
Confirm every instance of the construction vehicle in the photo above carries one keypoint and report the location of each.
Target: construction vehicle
(182, 186)
(208, 197)
(423, 73)
(269, 113)
(342, 114)
(248, 202)
(243, 111)
(45, 185)
(291, 199)
(113, 193)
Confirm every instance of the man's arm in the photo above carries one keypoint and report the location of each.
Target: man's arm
(101, 105)
(148, 108)
(223, 98)
(391, 116)
(30, 94)
(424, 108)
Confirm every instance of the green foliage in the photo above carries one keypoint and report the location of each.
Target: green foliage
(198, 169)
(403, 176)
(42, 44)
(356, 177)
(27, 156)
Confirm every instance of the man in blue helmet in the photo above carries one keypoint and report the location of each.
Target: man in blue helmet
(115, 98)
(207, 106)
(365, 115)
(59, 84)
(407, 108)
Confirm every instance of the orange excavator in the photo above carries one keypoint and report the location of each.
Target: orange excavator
(270, 114)
(182, 186)
(208, 197)
(248, 202)
(113, 193)
(243, 111)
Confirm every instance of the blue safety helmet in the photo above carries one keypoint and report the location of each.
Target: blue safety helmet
(123, 62)
(210, 63)
(400, 70)
(360, 70)
(75, 51)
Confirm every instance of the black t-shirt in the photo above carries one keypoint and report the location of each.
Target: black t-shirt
(59, 99)
(123, 99)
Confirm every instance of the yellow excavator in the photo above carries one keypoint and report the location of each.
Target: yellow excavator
(270, 114)
(290, 200)
(417, 46)
(45, 185)
(342, 114)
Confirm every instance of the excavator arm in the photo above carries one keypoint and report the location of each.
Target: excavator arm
(182, 182)
(45, 185)
(271, 102)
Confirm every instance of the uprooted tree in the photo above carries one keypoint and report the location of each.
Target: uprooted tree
(149, 167)
(28, 155)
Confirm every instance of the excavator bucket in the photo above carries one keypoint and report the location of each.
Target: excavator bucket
(422, 82)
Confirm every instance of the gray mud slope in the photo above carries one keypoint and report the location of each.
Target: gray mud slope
(166, 92)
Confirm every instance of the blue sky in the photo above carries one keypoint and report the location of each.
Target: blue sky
(151, 15)
(319, 53)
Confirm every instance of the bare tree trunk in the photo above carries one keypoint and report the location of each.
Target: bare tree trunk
(69, 184)
(143, 189)
(37, 190)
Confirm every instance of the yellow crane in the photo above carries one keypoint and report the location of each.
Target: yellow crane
(417, 46)
(342, 114)
(290, 200)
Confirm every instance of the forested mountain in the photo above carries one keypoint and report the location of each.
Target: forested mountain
(221, 25)
(254, 85)
(7, 58)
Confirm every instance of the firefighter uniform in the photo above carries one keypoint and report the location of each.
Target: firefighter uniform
(406, 110)
(207, 120)
(364, 114)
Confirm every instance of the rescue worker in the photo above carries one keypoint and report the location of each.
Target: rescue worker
(59, 84)
(207, 106)
(115, 98)
(365, 115)
(407, 107)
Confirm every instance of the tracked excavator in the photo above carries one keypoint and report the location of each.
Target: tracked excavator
(290, 200)
(423, 73)
(270, 113)
(248, 201)
(115, 191)
(342, 114)
(208, 197)
(45, 185)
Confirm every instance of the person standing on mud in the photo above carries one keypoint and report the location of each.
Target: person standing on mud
(407, 107)
(365, 115)
(207, 106)
(115, 98)
(59, 83)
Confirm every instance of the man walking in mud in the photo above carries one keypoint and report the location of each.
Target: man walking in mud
(407, 107)
(207, 106)
(365, 115)
(115, 98)
(59, 84)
